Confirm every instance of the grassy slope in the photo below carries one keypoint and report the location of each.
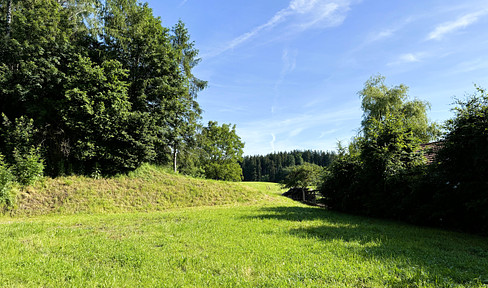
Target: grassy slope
(274, 242)
(147, 189)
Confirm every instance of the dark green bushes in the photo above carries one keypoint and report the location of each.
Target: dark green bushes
(384, 173)
(302, 176)
(462, 166)
(7, 197)
(24, 165)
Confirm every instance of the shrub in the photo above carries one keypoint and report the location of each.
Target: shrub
(28, 166)
(462, 164)
(302, 176)
(341, 186)
(7, 197)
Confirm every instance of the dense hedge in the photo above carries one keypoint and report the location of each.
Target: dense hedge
(387, 175)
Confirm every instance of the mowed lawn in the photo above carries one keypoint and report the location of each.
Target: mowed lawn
(279, 243)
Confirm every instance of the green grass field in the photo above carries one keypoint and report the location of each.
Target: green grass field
(269, 242)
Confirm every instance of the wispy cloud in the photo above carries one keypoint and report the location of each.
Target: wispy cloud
(301, 14)
(318, 13)
(479, 64)
(462, 22)
(288, 59)
(273, 136)
(284, 130)
(408, 58)
(182, 3)
(381, 35)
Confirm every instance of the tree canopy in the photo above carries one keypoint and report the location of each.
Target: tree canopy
(272, 167)
(364, 178)
(303, 176)
(221, 150)
(380, 102)
(105, 84)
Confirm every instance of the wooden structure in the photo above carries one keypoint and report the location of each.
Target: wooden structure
(430, 150)
(302, 194)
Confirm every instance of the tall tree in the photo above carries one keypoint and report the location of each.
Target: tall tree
(221, 151)
(381, 161)
(99, 79)
(183, 113)
(34, 63)
(379, 102)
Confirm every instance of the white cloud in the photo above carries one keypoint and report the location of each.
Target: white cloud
(317, 13)
(273, 136)
(381, 35)
(449, 27)
(183, 3)
(303, 14)
(408, 58)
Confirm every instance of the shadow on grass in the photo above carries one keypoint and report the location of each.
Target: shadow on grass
(444, 258)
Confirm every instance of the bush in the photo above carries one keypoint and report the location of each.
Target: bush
(28, 166)
(302, 176)
(341, 186)
(462, 165)
(7, 197)
(223, 171)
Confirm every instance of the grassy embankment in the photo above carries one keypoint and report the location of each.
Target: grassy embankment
(147, 189)
(257, 239)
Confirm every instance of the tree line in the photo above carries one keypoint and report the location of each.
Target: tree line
(273, 167)
(383, 172)
(98, 88)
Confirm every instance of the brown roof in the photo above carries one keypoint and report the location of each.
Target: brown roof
(430, 150)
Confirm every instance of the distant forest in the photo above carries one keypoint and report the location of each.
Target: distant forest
(271, 168)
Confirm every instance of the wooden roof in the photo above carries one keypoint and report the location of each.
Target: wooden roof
(430, 150)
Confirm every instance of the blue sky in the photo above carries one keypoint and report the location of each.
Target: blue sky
(287, 72)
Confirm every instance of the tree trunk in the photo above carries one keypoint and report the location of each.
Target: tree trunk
(175, 153)
(9, 16)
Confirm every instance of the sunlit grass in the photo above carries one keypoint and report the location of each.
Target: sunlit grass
(285, 245)
(147, 189)
(158, 229)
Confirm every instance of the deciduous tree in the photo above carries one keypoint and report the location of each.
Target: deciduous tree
(221, 149)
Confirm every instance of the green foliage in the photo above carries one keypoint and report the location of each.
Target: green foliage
(389, 153)
(221, 149)
(7, 195)
(380, 102)
(303, 176)
(341, 186)
(385, 174)
(97, 114)
(390, 147)
(271, 167)
(227, 171)
(462, 165)
(103, 82)
(28, 167)
(370, 177)
(19, 140)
